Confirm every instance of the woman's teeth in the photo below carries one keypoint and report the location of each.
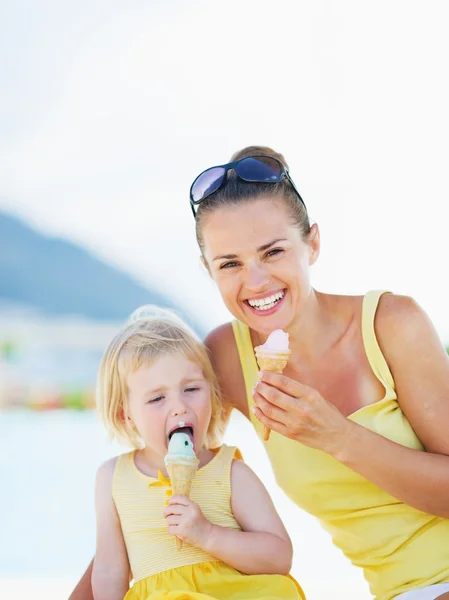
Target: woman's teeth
(266, 303)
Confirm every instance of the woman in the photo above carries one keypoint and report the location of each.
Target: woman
(365, 392)
(359, 417)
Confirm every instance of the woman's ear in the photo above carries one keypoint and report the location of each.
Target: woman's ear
(314, 243)
(204, 263)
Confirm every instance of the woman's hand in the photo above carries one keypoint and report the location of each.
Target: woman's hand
(186, 521)
(300, 413)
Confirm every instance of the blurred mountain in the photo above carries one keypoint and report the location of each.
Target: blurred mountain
(54, 276)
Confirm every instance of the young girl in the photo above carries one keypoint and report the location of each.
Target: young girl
(156, 378)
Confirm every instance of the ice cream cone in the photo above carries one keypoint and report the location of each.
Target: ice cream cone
(268, 360)
(182, 473)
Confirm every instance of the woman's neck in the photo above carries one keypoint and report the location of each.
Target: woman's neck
(323, 322)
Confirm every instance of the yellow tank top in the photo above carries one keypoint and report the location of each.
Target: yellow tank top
(140, 500)
(398, 547)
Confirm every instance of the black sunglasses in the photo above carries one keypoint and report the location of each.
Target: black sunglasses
(254, 169)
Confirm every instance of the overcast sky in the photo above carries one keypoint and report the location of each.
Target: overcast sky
(109, 109)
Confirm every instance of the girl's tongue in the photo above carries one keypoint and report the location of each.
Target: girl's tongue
(181, 444)
(185, 430)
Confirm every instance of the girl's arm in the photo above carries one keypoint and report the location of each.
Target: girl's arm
(262, 547)
(110, 574)
(83, 590)
(420, 368)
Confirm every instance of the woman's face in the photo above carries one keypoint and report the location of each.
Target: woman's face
(260, 262)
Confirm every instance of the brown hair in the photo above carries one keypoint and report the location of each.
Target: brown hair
(235, 191)
(146, 337)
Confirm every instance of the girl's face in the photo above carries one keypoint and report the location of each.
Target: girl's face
(260, 262)
(166, 395)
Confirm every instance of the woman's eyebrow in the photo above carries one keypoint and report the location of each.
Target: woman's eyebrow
(260, 249)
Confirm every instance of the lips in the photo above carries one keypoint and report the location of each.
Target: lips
(260, 307)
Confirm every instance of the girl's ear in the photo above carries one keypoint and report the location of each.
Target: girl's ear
(122, 416)
(314, 243)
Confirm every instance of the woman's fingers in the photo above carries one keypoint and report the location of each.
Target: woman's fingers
(275, 398)
(290, 387)
(273, 425)
(268, 404)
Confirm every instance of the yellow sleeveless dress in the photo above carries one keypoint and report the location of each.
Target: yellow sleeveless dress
(162, 571)
(398, 547)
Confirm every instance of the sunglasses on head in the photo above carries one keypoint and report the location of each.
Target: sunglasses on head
(254, 169)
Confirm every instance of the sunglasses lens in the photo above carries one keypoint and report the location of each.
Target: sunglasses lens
(207, 183)
(259, 169)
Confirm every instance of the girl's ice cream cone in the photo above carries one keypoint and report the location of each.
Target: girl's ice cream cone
(273, 356)
(182, 465)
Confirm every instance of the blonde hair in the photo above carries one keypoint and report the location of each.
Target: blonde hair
(149, 334)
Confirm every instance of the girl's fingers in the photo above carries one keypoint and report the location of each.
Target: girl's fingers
(180, 499)
(173, 530)
(175, 509)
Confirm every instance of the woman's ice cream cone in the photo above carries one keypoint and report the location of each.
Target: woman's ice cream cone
(271, 359)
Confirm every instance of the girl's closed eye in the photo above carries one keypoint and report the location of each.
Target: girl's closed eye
(192, 389)
(155, 399)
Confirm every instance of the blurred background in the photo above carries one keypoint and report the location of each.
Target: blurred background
(108, 110)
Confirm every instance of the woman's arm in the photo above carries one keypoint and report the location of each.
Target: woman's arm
(420, 368)
(110, 574)
(262, 547)
(226, 362)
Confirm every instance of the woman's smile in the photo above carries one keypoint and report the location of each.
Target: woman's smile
(266, 304)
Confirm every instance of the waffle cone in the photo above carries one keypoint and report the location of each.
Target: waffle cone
(181, 475)
(274, 362)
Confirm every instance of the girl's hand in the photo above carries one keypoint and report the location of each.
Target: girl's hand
(186, 521)
(300, 413)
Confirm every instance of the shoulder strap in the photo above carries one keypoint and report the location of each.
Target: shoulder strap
(224, 461)
(246, 355)
(372, 348)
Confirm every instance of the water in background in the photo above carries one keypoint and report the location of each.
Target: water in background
(48, 462)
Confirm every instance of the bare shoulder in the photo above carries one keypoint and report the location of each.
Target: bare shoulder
(240, 471)
(105, 472)
(400, 321)
(243, 479)
(419, 364)
(226, 361)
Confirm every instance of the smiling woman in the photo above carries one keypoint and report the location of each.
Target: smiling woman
(358, 415)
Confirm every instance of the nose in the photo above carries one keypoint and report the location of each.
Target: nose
(257, 277)
(178, 408)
